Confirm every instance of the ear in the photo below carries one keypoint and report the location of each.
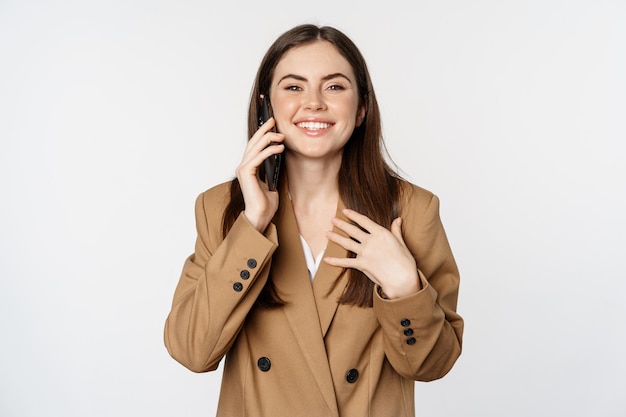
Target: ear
(360, 116)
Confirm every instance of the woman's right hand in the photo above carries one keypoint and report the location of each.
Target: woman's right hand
(261, 204)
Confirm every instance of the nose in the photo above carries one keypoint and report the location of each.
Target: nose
(314, 100)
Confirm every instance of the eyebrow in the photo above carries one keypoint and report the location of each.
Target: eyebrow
(325, 78)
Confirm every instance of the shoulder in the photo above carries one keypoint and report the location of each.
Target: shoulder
(422, 229)
(211, 203)
(209, 213)
(216, 197)
(416, 199)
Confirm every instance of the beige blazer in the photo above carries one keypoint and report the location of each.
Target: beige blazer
(311, 357)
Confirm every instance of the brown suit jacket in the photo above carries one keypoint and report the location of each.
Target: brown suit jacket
(311, 357)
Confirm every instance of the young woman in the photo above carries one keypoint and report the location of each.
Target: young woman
(333, 294)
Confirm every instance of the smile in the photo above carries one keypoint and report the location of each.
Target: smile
(313, 125)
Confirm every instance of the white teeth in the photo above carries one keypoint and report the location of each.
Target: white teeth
(313, 125)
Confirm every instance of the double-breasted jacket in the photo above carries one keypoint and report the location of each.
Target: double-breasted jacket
(312, 356)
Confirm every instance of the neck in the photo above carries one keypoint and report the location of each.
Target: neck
(312, 180)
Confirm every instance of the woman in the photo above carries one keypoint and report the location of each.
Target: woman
(331, 295)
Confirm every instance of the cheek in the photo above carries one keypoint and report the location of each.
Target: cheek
(284, 110)
(352, 109)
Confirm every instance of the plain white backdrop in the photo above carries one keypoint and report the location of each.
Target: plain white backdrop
(115, 114)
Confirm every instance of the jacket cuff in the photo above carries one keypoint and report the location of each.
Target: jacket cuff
(404, 319)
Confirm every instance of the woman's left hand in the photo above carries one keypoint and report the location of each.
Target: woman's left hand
(381, 254)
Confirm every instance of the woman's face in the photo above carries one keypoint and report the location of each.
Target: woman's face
(315, 100)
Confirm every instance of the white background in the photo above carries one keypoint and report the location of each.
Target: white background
(115, 114)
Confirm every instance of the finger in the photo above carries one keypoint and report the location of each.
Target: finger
(344, 242)
(341, 262)
(256, 155)
(250, 164)
(259, 136)
(258, 143)
(352, 263)
(267, 126)
(361, 219)
(350, 229)
(271, 149)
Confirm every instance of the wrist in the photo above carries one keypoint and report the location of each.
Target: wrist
(257, 222)
(400, 289)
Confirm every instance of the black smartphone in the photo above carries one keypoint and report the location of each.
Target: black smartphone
(271, 165)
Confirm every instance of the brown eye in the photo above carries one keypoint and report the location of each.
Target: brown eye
(336, 87)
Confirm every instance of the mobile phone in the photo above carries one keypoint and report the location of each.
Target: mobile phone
(271, 165)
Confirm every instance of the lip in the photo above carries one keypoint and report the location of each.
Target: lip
(313, 126)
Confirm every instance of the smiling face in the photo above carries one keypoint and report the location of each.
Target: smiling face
(315, 100)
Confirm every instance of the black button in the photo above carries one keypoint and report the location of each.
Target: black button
(410, 341)
(264, 364)
(352, 376)
(405, 322)
(245, 274)
(237, 286)
(408, 332)
(251, 263)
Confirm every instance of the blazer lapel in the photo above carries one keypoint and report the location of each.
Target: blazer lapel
(330, 281)
(292, 282)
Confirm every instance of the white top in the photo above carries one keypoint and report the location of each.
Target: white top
(311, 263)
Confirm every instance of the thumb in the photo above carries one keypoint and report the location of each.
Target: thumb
(396, 229)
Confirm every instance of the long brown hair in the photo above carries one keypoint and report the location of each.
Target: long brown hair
(364, 155)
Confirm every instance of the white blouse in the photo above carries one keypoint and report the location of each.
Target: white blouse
(311, 263)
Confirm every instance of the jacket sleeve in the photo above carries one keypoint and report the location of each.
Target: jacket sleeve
(422, 332)
(218, 286)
